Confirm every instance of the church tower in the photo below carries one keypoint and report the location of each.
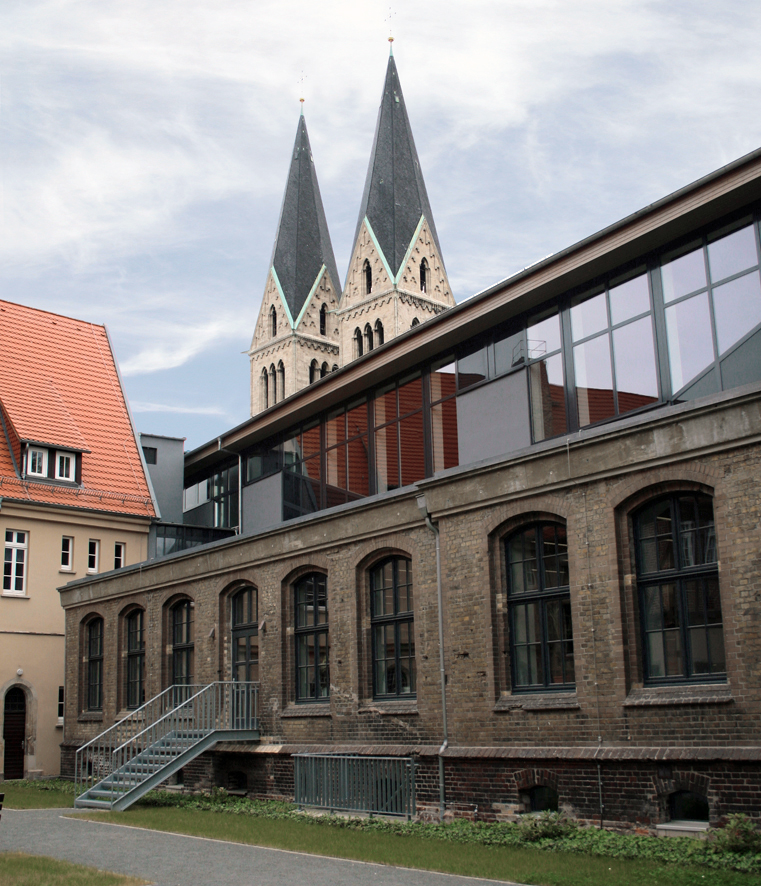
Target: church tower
(296, 339)
(396, 277)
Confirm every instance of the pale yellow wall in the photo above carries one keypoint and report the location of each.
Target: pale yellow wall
(32, 626)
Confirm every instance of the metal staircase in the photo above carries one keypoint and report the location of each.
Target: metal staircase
(158, 739)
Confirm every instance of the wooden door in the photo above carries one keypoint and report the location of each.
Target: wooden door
(14, 733)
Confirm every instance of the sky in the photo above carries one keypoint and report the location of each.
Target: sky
(144, 148)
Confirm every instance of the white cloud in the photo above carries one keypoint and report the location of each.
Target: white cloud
(140, 406)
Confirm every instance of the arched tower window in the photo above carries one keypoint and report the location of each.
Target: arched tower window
(424, 275)
(273, 383)
(314, 371)
(324, 370)
(367, 271)
(368, 337)
(324, 320)
(378, 333)
(415, 322)
(357, 342)
(273, 321)
(281, 381)
(265, 386)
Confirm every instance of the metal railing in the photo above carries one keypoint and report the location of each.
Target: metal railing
(161, 730)
(346, 783)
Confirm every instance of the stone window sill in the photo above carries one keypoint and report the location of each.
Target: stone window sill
(9, 596)
(389, 708)
(551, 701)
(307, 710)
(655, 696)
(90, 717)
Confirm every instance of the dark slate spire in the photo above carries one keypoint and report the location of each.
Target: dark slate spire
(302, 245)
(395, 195)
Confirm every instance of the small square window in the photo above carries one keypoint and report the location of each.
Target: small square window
(37, 463)
(67, 553)
(93, 554)
(150, 453)
(120, 554)
(64, 466)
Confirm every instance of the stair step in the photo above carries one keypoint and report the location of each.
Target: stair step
(85, 802)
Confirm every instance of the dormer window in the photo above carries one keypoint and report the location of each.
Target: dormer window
(37, 463)
(64, 466)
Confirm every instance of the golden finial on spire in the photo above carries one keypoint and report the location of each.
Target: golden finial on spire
(389, 17)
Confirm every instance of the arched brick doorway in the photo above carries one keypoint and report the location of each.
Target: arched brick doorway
(14, 733)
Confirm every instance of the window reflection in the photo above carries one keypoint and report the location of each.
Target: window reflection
(634, 361)
(594, 380)
(688, 326)
(737, 309)
(732, 254)
(588, 315)
(683, 275)
(548, 414)
(629, 299)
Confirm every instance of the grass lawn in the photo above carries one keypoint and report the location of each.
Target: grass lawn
(48, 794)
(17, 869)
(495, 862)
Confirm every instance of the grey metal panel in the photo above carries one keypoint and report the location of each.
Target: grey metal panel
(302, 244)
(167, 475)
(494, 419)
(203, 515)
(394, 197)
(743, 365)
(705, 386)
(262, 504)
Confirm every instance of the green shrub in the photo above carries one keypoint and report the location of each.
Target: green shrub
(739, 835)
(546, 826)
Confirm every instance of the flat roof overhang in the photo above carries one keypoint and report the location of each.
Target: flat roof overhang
(720, 193)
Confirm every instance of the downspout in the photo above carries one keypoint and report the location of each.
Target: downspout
(421, 503)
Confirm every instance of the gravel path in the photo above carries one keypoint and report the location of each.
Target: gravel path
(177, 860)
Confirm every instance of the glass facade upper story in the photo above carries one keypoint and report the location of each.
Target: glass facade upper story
(670, 326)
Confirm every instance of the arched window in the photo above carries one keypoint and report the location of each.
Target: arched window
(324, 370)
(281, 381)
(357, 342)
(540, 798)
(14, 732)
(314, 371)
(273, 384)
(273, 321)
(94, 673)
(311, 631)
(378, 333)
(423, 276)
(393, 640)
(335, 367)
(368, 275)
(415, 322)
(265, 386)
(688, 806)
(678, 584)
(324, 320)
(368, 337)
(245, 635)
(134, 651)
(539, 610)
(182, 654)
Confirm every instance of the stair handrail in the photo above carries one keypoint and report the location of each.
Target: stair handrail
(102, 741)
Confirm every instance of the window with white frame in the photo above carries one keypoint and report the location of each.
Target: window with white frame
(93, 555)
(67, 553)
(64, 466)
(60, 705)
(120, 554)
(37, 462)
(14, 567)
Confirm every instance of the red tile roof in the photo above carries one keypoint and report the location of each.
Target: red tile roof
(59, 387)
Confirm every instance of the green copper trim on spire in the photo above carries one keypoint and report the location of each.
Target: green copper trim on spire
(409, 250)
(282, 297)
(378, 248)
(312, 291)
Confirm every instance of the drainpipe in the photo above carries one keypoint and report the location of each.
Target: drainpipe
(423, 507)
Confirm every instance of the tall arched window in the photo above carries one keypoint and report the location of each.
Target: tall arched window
(314, 371)
(423, 276)
(324, 369)
(378, 333)
(135, 659)
(181, 624)
(357, 342)
(541, 633)
(678, 583)
(311, 631)
(245, 639)
(265, 391)
(367, 273)
(273, 321)
(393, 640)
(280, 381)
(368, 337)
(94, 651)
(324, 320)
(273, 384)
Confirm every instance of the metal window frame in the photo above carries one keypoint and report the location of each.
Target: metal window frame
(395, 619)
(302, 632)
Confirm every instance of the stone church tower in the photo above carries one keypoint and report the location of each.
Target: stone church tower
(396, 277)
(296, 339)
